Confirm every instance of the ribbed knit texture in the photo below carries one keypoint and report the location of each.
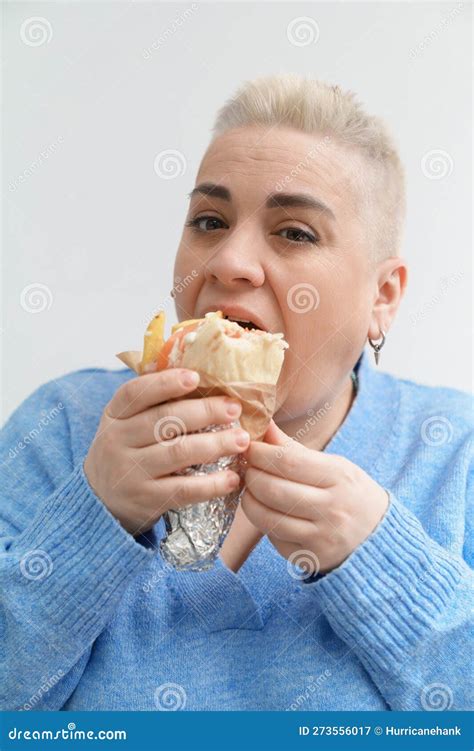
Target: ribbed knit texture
(92, 618)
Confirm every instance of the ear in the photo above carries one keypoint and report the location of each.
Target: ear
(391, 280)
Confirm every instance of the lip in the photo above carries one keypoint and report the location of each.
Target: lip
(236, 311)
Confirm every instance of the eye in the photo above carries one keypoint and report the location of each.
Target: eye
(201, 223)
(299, 235)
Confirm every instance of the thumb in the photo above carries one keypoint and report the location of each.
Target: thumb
(275, 435)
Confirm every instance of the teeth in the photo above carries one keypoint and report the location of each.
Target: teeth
(240, 320)
(243, 322)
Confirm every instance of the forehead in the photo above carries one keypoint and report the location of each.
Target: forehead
(281, 158)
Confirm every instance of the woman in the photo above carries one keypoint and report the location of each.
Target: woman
(343, 581)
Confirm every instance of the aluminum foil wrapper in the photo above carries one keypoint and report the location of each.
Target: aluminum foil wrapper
(195, 533)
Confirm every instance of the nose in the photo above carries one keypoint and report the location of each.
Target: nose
(236, 260)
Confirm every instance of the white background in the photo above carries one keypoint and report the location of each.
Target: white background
(96, 225)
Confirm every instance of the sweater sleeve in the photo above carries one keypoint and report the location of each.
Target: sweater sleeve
(401, 602)
(65, 561)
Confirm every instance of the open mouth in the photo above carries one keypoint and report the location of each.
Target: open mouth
(245, 324)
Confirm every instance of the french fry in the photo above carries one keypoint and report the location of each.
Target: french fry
(153, 340)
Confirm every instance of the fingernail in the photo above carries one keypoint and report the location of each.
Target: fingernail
(242, 438)
(191, 378)
(233, 481)
(233, 408)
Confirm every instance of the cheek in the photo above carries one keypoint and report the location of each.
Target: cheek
(311, 315)
(326, 336)
(188, 279)
(330, 301)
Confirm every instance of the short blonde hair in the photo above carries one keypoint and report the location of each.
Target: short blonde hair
(318, 108)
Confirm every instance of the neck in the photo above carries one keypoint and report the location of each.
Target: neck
(315, 428)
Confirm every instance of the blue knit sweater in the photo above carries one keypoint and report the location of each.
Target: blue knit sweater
(93, 619)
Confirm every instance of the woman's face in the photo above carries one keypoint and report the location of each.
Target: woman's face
(296, 265)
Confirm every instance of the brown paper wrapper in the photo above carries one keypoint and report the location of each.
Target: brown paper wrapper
(257, 399)
(195, 533)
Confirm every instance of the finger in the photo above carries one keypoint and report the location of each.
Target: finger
(268, 521)
(295, 462)
(199, 448)
(184, 490)
(287, 497)
(179, 417)
(146, 391)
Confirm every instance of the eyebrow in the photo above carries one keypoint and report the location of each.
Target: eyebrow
(274, 200)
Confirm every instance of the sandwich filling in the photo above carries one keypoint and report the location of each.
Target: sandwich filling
(247, 350)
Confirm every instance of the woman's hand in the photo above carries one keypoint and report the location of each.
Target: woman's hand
(309, 502)
(146, 433)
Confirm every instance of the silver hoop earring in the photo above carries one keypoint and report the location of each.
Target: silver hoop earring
(377, 347)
